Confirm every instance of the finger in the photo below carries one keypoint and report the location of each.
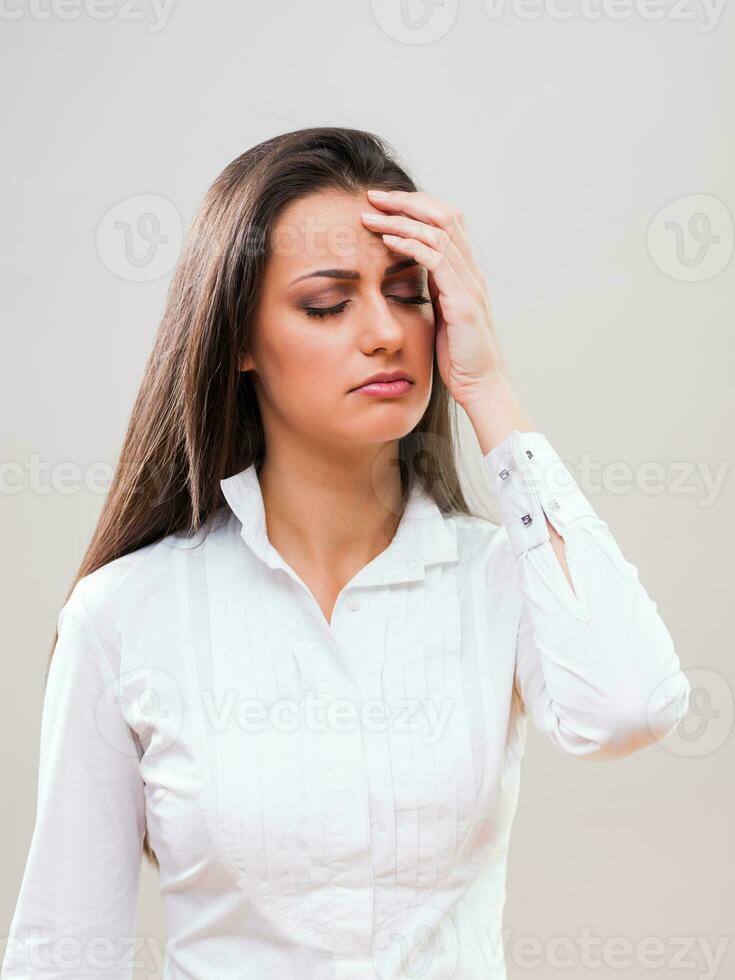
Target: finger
(426, 207)
(456, 302)
(437, 238)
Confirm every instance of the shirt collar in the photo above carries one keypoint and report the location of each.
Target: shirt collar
(423, 537)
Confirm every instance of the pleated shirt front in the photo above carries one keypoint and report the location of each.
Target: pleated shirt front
(328, 800)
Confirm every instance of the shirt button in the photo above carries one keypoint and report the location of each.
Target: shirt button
(352, 602)
(554, 504)
(527, 519)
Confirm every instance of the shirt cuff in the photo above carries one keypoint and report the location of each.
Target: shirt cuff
(532, 483)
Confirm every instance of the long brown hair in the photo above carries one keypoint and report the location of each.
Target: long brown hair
(195, 419)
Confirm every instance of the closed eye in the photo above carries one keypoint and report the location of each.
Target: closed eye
(321, 311)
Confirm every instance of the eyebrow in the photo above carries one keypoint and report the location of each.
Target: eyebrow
(391, 270)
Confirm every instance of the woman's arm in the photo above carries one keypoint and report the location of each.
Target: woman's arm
(596, 666)
(75, 913)
(598, 669)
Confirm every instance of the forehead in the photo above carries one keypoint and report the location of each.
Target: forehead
(325, 229)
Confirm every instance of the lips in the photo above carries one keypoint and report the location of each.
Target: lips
(384, 389)
(384, 376)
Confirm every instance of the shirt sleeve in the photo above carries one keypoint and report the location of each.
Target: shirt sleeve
(595, 665)
(75, 912)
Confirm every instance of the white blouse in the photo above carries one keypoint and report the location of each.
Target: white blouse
(328, 800)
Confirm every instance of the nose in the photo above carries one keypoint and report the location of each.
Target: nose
(383, 327)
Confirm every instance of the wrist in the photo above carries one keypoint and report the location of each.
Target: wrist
(494, 411)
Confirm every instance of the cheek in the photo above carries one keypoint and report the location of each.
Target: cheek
(425, 342)
(429, 336)
(305, 363)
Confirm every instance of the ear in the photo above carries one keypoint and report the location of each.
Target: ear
(247, 363)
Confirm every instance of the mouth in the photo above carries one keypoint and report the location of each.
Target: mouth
(398, 385)
(388, 381)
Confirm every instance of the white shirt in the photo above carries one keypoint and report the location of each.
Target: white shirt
(328, 800)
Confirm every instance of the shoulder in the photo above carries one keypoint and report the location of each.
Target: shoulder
(124, 586)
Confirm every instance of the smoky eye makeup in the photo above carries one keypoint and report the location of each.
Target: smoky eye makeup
(324, 297)
(407, 287)
(417, 299)
(402, 286)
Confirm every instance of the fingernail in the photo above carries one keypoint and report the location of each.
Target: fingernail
(377, 193)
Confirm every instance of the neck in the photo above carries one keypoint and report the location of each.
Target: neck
(331, 513)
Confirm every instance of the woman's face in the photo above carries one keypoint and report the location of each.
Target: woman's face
(306, 366)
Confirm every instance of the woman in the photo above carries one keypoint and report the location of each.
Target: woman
(294, 670)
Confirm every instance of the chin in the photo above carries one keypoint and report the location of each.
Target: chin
(386, 431)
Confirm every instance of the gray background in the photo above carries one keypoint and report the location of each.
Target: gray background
(565, 142)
